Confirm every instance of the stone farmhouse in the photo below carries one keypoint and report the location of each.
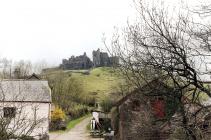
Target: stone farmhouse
(25, 107)
(100, 59)
(137, 116)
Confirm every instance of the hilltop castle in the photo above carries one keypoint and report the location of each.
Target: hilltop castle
(78, 62)
(100, 59)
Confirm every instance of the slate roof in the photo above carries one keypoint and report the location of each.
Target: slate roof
(25, 91)
(154, 87)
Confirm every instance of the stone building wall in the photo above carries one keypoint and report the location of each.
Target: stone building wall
(139, 116)
(136, 121)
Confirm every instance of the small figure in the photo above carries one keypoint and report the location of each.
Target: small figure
(93, 123)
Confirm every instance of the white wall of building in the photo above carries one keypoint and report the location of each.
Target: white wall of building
(29, 114)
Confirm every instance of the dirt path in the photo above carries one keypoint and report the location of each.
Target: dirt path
(79, 132)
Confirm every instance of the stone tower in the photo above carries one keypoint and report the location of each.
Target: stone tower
(96, 58)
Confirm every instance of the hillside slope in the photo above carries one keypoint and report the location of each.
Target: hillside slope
(98, 81)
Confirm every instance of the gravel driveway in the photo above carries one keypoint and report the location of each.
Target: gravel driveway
(79, 132)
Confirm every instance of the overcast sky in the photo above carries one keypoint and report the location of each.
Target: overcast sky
(54, 29)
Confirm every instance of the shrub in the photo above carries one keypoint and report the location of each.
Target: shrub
(115, 119)
(181, 134)
(106, 124)
(106, 104)
(90, 101)
(86, 72)
(58, 114)
(58, 119)
(77, 111)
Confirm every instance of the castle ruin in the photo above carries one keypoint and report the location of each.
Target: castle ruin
(100, 59)
(78, 62)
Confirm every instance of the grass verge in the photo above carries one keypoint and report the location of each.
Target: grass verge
(72, 124)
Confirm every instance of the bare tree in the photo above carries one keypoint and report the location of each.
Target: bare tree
(22, 69)
(6, 68)
(66, 89)
(203, 8)
(202, 12)
(162, 46)
(39, 66)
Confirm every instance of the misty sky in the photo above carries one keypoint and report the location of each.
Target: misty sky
(54, 29)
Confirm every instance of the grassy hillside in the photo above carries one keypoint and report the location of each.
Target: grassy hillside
(98, 81)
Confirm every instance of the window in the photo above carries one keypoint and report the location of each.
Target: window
(9, 112)
(136, 105)
(158, 107)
